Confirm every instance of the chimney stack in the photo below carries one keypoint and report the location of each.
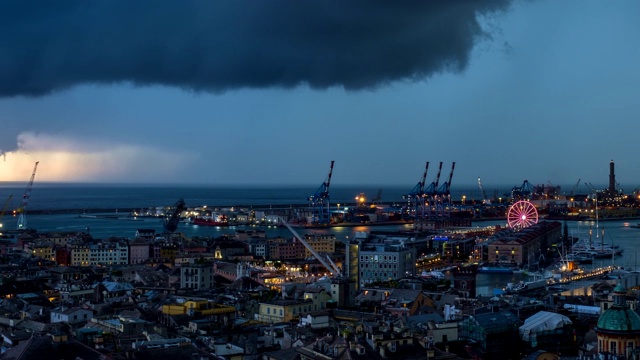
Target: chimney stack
(612, 177)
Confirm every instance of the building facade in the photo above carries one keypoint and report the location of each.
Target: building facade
(197, 275)
(384, 262)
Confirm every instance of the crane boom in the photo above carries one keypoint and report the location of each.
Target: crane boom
(438, 176)
(448, 189)
(22, 219)
(329, 176)
(330, 266)
(424, 178)
(320, 201)
(575, 186)
(418, 190)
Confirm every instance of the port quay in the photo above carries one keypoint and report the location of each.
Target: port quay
(425, 274)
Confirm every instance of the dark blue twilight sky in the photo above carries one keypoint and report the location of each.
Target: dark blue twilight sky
(269, 92)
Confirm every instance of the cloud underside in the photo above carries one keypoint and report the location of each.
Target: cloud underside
(221, 45)
(62, 159)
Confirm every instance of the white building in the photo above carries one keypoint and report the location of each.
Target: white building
(71, 316)
(104, 253)
(315, 320)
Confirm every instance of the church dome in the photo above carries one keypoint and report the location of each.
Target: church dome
(619, 317)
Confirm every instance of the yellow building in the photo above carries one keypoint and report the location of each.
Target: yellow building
(44, 251)
(283, 310)
(169, 251)
(319, 298)
(321, 243)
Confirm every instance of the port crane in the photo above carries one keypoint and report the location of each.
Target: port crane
(173, 218)
(484, 195)
(522, 192)
(575, 187)
(320, 201)
(445, 188)
(416, 196)
(4, 208)
(592, 190)
(431, 192)
(22, 218)
(443, 195)
(378, 198)
(324, 260)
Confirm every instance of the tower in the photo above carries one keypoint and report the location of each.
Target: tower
(612, 178)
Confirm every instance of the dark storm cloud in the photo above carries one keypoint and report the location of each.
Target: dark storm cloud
(219, 45)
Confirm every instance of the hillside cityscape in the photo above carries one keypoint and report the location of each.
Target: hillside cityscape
(402, 285)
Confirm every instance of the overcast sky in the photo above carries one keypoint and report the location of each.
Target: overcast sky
(270, 92)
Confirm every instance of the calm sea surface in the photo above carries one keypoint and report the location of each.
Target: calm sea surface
(79, 197)
(54, 196)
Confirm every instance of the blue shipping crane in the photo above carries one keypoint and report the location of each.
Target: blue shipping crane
(320, 201)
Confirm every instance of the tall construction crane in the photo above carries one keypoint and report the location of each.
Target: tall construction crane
(4, 208)
(320, 201)
(416, 196)
(22, 218)
(485, 200)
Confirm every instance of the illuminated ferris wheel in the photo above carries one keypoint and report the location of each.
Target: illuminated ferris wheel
(522, 214)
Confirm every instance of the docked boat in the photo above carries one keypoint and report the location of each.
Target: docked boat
(215, 220)
(582, 257)
(599, 251)
(523, 286)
